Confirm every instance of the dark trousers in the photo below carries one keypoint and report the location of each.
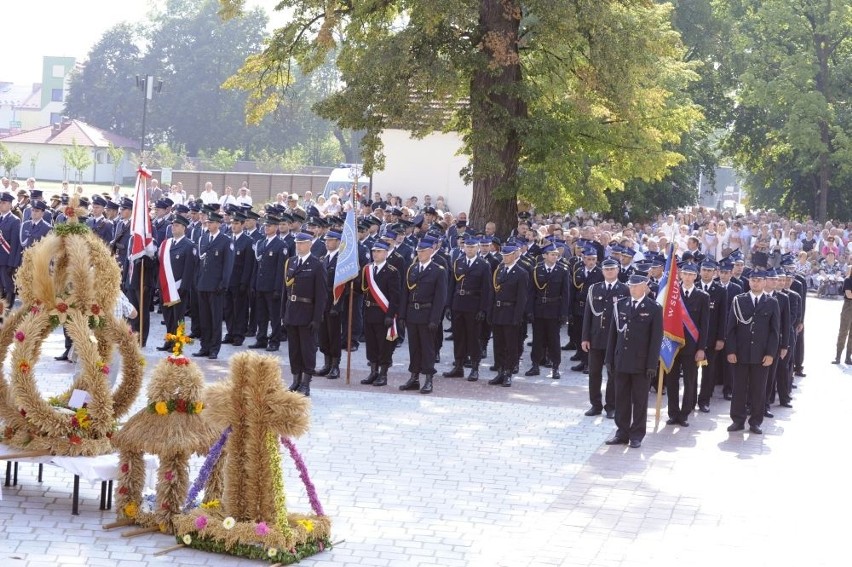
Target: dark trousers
(800, 351)
(577, 337)
(421, 349)
(252, 314)
(193, 312)
(844, 334)
(727, 375)
(485, 334)
(749, 386)
(268, 307)
(144, 314)
(682, 409)
(302, 348)
(210, 314)
(379, 349)
(546, 341)
(7, 283)
(631, 405)
(466, 337)
(505, 346)
(596, 364)
(236, 313)
(330, 335)
(710, 375)
(174, 314)
(778, 378)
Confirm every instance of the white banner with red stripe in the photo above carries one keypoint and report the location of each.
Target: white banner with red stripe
(168, 286)
(381, 300)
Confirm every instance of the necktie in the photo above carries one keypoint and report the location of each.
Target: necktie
(635, 304)
(298, 263)
(608, 287)
(375, 270)
(686, 295)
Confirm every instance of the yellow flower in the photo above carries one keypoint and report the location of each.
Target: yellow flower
(187, 539)
(308, 525)
(228, 523)
(131, 509)
(209, 505)
(198, 406)
(161, 408)
(272, 552)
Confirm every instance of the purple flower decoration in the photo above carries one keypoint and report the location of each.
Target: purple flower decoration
(206, 469)
(261, 529)
(200, 522)
(303, 474)
(20, 336)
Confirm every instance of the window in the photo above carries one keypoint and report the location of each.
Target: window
(55, 118)
(56, 95)
(58, 71)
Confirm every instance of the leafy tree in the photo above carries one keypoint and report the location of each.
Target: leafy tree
(102, 93)
(557, 101)
(792, 124)
(9, 159)
(164, 155)
(78, 157)
(220, 160)
(115, 154)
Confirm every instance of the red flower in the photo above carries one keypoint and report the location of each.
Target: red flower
(24, 368)
(75, 440)
(62, 307)
(125, 467)
(70, 212)
(20, 336)
(181, 406)
(23, 412)
(75, 422)
(122, 490)
(95, 309)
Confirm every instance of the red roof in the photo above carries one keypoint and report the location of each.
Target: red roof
(85, 135)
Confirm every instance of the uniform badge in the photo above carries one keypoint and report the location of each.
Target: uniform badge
(231, 245)
(270, 254)
(177, 257)
(216, 253)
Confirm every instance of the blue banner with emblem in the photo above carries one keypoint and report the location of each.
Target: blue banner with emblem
(347, 259)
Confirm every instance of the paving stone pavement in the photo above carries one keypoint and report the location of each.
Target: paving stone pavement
(478, 475)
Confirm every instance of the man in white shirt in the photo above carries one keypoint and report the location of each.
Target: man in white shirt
(209, 196)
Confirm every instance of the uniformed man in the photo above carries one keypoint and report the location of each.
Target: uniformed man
(470, 289)
(632, 353)
(161, 222)
(177, 257)
(715, 333)
(331, 330)
(215, 264)
(101, 226)
(10, 248)
(268, 284)
(237, 297)
(380, 286)
(511, 292)
(36, 227)
(691, 354)
(784, 376)
(596, 323)
(585, 275)
(421, 306)
(306, 292)
(548, 308)
(785, 328)
(751, 343)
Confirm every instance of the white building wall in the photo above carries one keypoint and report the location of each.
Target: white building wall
(50, 165)
(424, 167)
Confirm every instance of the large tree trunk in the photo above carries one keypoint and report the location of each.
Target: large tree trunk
(495, 109)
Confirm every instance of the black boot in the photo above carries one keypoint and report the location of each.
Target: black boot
(413, 382)
(474, 373)
(334, 373)
(507, 380)
(576, 356)
(305, 385)
(374, 374)
(326, 367)
(427, 386)
(534, 371)
(382, 379)
(456, 372)
(297, 380)
(554, 373)
(848, 360)
(578, 367)
(497, 380)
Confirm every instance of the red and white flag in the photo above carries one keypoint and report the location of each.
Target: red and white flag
(168, 286)
(140, 222)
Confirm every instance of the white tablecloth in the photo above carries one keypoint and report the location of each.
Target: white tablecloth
(104, 467)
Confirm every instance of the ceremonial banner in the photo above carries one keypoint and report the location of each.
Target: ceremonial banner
(140, 223)
(347, 259)
(675, 316)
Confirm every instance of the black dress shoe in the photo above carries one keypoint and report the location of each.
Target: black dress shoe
(683, 423)
(507, 381)
(836, 361)
(672, 421)
(555, 375)
(258, 345)
(213, 355)
(473, 376)
(847, 361)
(786, 405)
(165, 347)
(533, 371)
(201, 353)
(585, 369)
(801, 374)
(497, 380)
(493, 368)
(227, 341)
(768, 414)
(635, 443)
(755, 429)
(610, 414)
(456, 372)
(704, 408)
(578, 367)
(238, 342)
(272, 347)
(736, 427)
(593, 411)
(616, 441)
(575, 357)
(63, 356)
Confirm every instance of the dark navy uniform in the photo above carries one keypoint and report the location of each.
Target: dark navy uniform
(582, 280)
(215, 264)
(511, 292)
(785, 328)
(698, 305)
(718, 306)
(237, 298)
(596, 323)
(182, 255)
(753, 333)
(470, 289)
(270, 256)
(377, 320)
(32, 232)
(422, 306)
(632, 352)
(548, 307)
(306, 291)
(10, 253)
(784, 373)
(159, 228)
(103, 228)
(331, 331)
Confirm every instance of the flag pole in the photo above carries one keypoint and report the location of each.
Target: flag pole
(659, 398)
(141, 300)
(349, 333)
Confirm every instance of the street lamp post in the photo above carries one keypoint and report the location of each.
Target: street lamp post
(147, 86)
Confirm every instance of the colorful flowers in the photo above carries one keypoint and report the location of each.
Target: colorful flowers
(187, 539)
(178, 405)
(123, 490)
(103, 367)
(125, 468)
(62, 307)
(24, 367)
(261, 529)
(169, 476)
(178, 360)
(95, 309)
(307, 524)
(20, 336)
(272, 552)
(82, 418)
(179, 339)
(229, 523)
(70, 212)
(75, 439)
(200, 522)
(210, 505)
(131, 509)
